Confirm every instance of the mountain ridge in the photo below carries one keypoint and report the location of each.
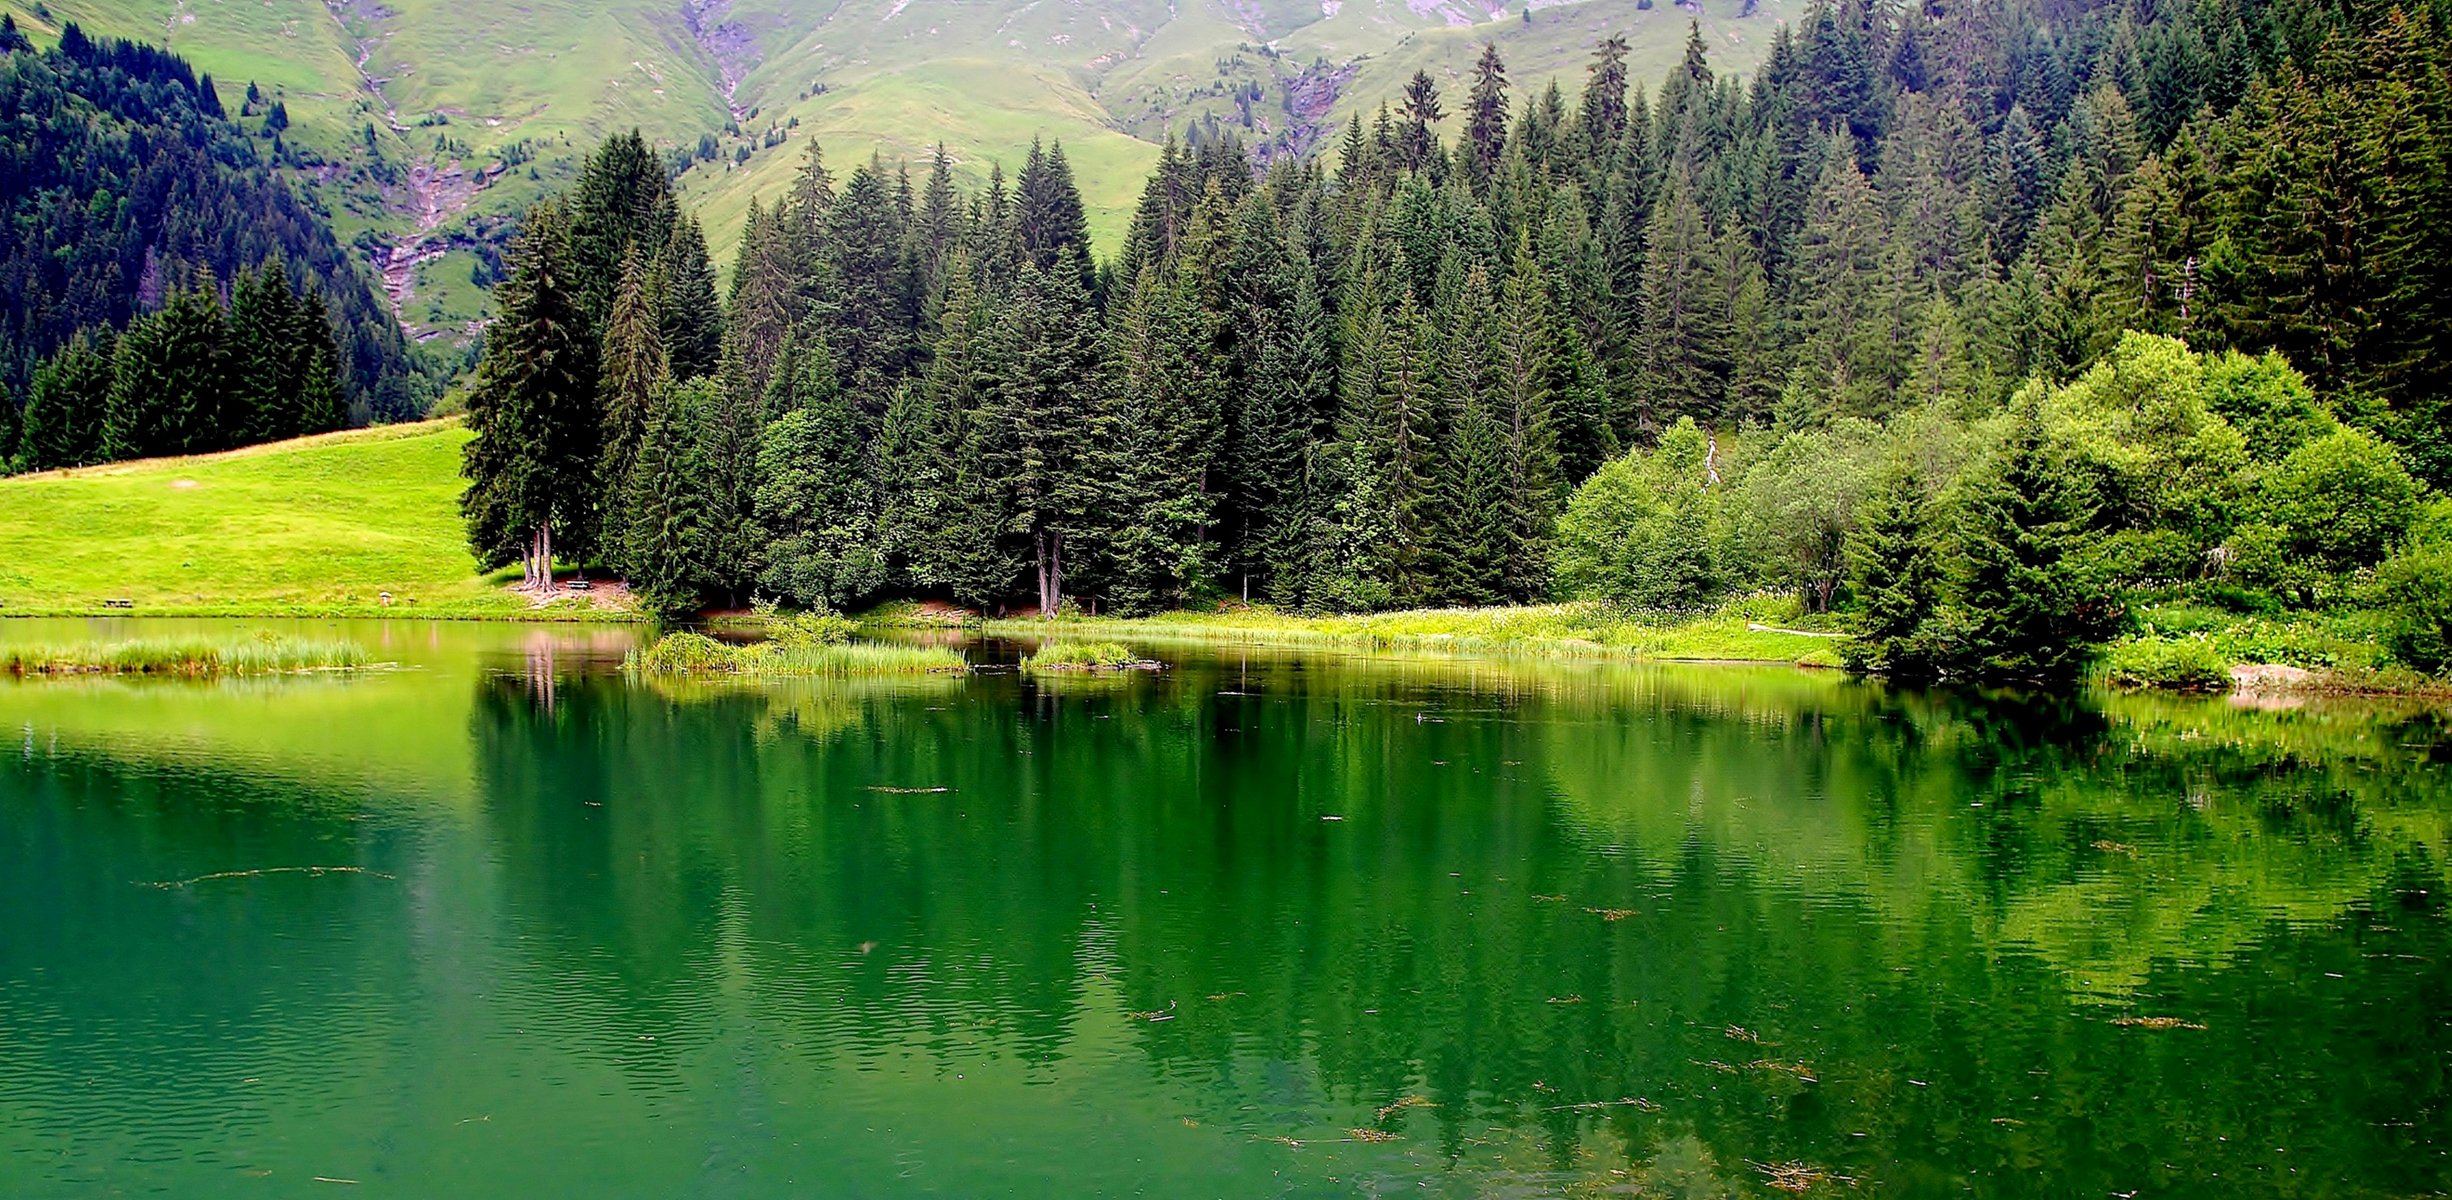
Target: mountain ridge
(425, 128)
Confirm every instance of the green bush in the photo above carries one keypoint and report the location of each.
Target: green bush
(2416, 589)
(2180, 664)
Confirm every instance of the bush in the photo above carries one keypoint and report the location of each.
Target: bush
(2416, 589)
(2179, 664)
(812, 629)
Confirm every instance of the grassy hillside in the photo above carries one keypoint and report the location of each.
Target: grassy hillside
(317, 525)
(474, 109)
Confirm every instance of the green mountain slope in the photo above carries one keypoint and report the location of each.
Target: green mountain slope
(427, 124)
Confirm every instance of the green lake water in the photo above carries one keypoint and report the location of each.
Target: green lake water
(502, 923)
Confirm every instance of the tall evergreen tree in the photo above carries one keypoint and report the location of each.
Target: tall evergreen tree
(532, 466)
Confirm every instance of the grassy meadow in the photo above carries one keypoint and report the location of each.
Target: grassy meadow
(317, 526)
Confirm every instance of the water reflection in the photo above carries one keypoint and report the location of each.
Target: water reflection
(1269, 924)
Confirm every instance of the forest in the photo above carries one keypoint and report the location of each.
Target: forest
(131, 201)
(1975, 322)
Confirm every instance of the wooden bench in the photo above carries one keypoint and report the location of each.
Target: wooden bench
(119, 604)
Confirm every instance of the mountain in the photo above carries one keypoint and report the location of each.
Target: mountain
(423, 127)
(124, 179)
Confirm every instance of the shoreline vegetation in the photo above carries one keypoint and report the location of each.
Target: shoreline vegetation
(1097, 658)
(804, 647)
(263, 653)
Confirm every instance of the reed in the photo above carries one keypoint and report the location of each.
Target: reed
(1083, 656)
(195, 657)
(699, 655)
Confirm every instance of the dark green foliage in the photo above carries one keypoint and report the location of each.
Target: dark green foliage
(667, 515)
(633, 370)
(170, 382)
(533, 467)
(688, 318)
(1894, 568)
(2029, 598)
(2416, 590)
(814, 505)
(620, 207)
(1654, 348)
(120, 182)
(65, 410)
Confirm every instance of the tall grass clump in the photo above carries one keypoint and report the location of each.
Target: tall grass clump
(2180, 664)
(195, 657)
(1085, 656)
(804, 652)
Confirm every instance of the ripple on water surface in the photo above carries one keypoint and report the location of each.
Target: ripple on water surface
(505, 925)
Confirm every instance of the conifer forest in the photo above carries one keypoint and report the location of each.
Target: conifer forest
(1969, 322)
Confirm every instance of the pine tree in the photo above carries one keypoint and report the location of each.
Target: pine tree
(614, 208)
(633, 370)
(1485, 124)
(1048, 213)
(1847, 294)
(768, 300)
(1526, 371)
(65, 408)
(532, 464)
(681, 286)
(2033, 607)
(1417, 140)
(323, 403)
(1683, 347)
(1051, 376)
(262, 327)
(1894, 572)
(664, 502)
(170, 382)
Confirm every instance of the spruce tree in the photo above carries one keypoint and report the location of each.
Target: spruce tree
(621, 204)
(1048, 215)
(170, 382)
(633, 370)
(666, 518)
(1894, 573)
(2033, 605)
(532, 466)
(65, 408)
(689, 319)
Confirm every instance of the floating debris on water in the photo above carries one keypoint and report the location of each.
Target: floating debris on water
(2155, 1023)
(1796, 1176)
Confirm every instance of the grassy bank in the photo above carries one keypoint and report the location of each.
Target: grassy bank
(2183, 646)
(320, 526)
(1756, 629)
(262, 654)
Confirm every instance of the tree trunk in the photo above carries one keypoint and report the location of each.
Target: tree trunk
(1051, 573)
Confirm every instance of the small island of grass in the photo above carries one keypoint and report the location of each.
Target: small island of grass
(1087, 656)
(802, 647)
(191, 657)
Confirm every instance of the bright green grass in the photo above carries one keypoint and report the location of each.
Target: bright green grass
(1080, 656)
(1726, 635)
(317, 526)
(695, 654)
(262, 654)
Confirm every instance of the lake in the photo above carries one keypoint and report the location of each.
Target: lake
(501, 922)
